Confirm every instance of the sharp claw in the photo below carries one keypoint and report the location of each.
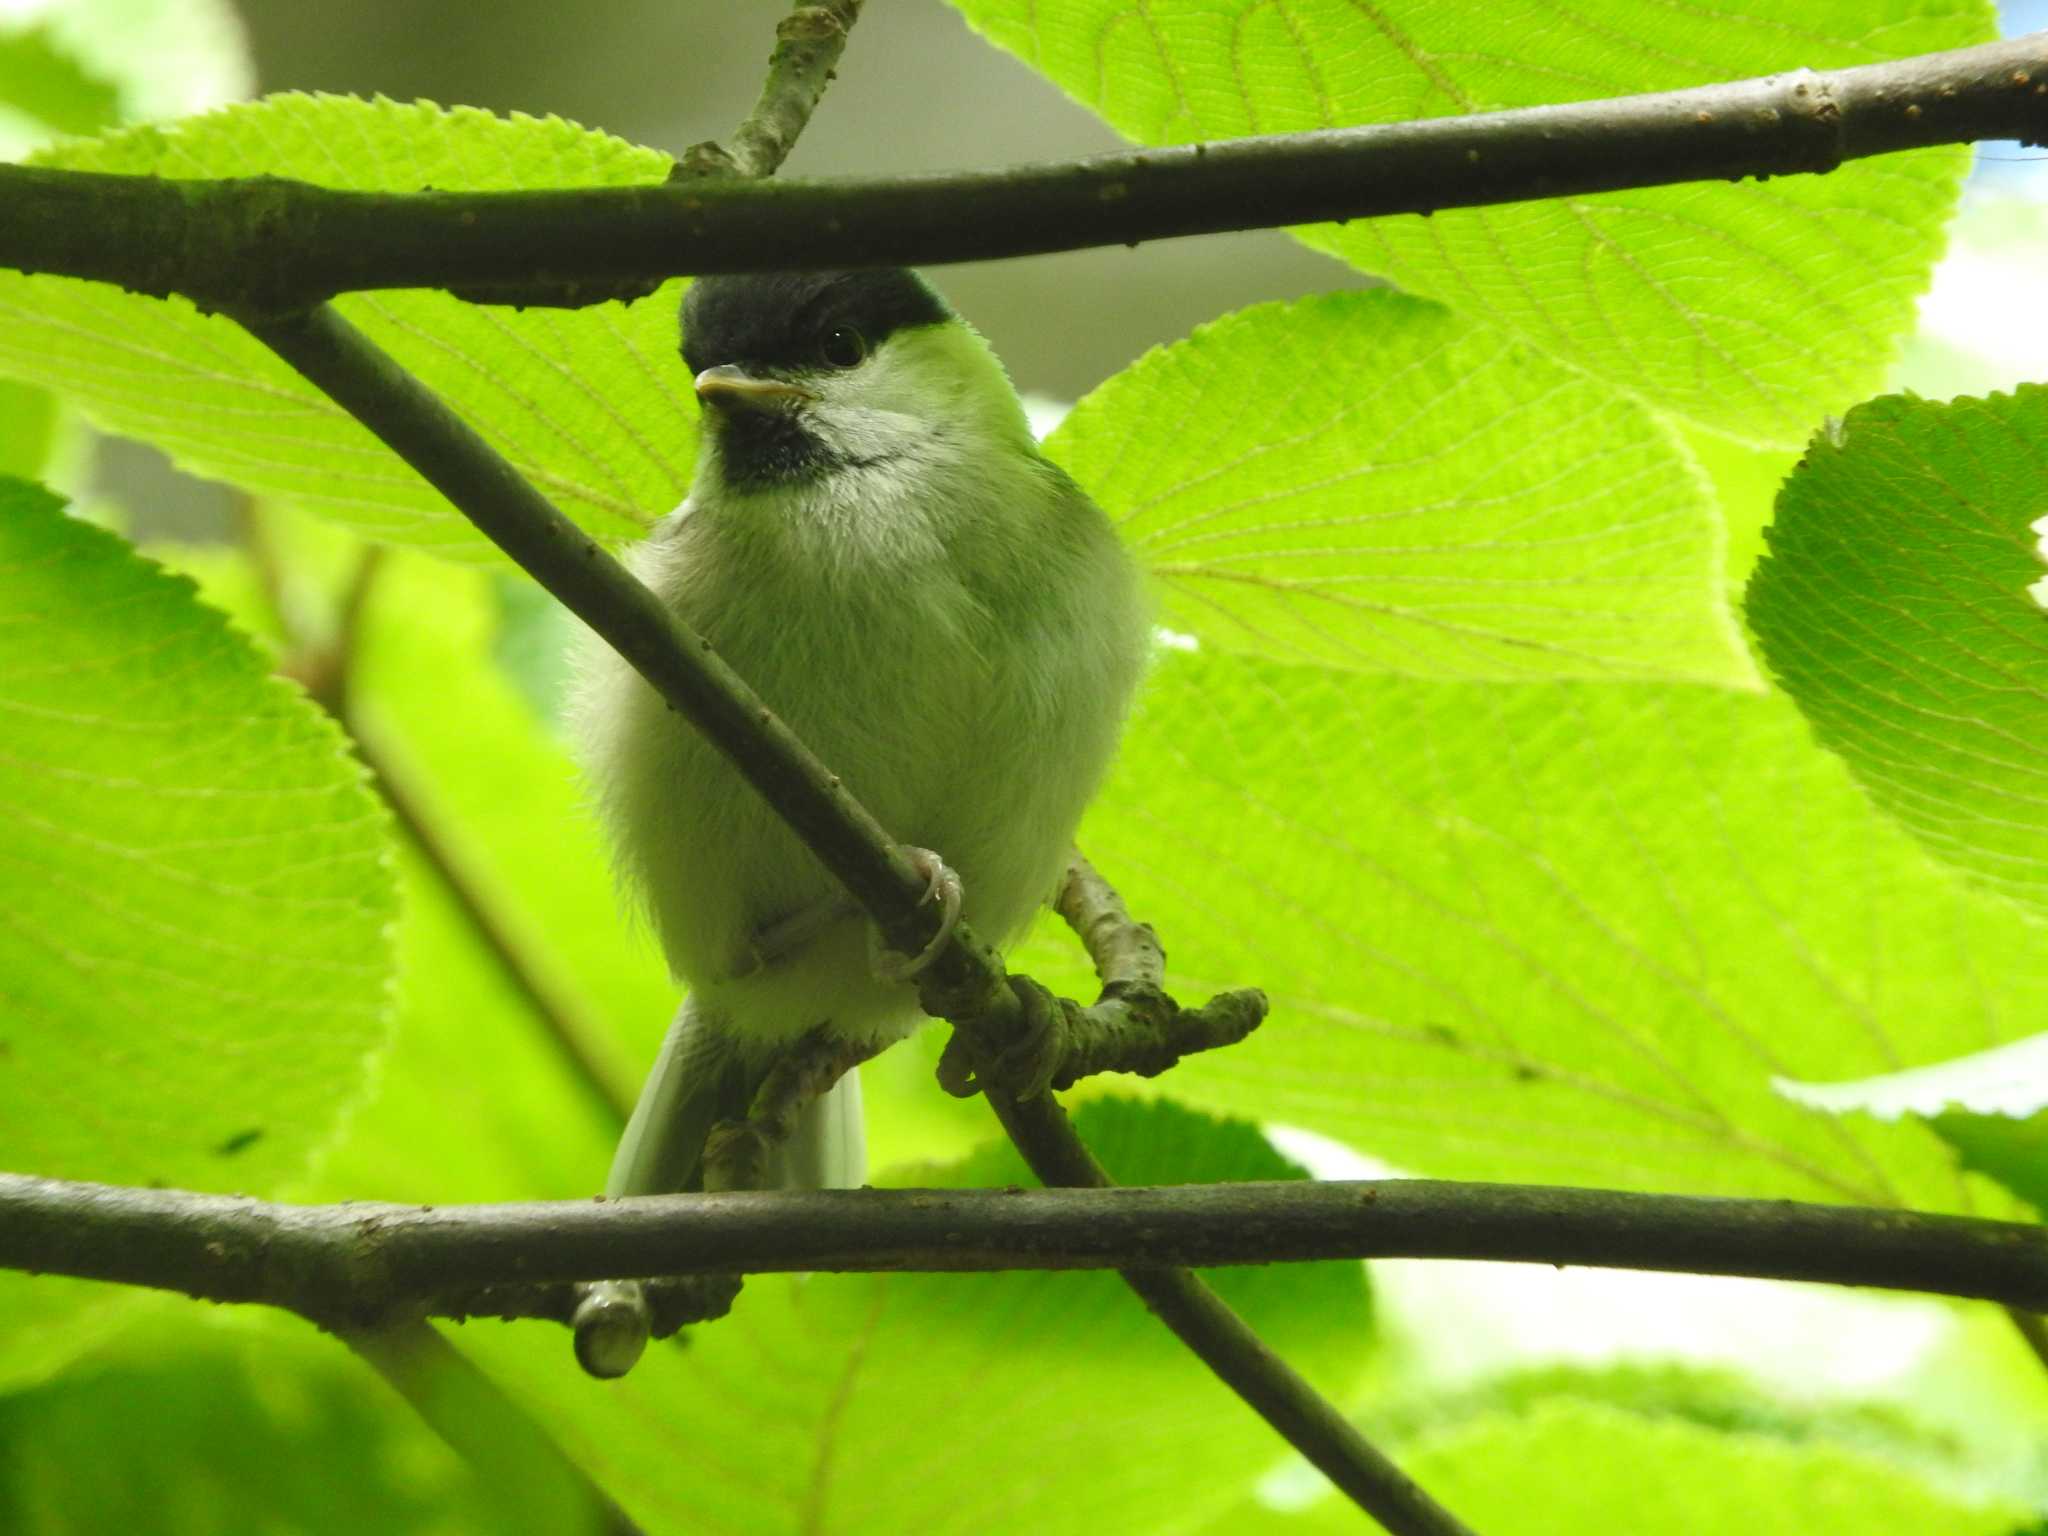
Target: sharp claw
(956, 1068)
(943, 886)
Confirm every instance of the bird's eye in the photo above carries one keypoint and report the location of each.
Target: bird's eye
(844, 347)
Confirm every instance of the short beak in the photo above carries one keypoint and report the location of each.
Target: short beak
(732, 388)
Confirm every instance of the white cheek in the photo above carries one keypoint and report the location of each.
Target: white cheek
(877, 411)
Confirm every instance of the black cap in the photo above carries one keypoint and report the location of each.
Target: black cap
(780, 320)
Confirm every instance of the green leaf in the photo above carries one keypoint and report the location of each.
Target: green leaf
(1894, 607)
(1045, 1402)
(1580, 1466)
(195, 900)
(1364, 480)
(28, 429)
(1559, 932)
(2002, 1147)
(39, 80)
(496, 787)
(240, 1421)
(591, 405)
(473, 1101)
(1745, 483)
(81, 66)
(1753, 309)
(2006, 1080)
(163, 58)
(1991, 1106)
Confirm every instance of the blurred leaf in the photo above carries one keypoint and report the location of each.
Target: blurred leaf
(473, 1101)
(194, 894)
(1753, 309)
(534, 646)
(163, 58)
(591, 405)
(200, 1427)
(81, 66)
(1987, 1390)
(1894, 607)
(40, 80)
(910, 1118)
(1576, 1466)
(1366, 481)
(1044, 1402)
(1721, 1400)
(1552, 932)
(477, 1101)
(498, 784)
(2002, 1147)
(28, 429)
(2005, 1080)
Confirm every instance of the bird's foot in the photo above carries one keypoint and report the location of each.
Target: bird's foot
(1031, 1061)
(944, 888)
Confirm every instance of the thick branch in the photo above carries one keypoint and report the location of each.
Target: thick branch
(364, 1261)
(266, 245)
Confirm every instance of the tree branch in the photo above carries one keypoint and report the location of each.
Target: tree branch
(263, 245)
(808, 43)
(361, 1263)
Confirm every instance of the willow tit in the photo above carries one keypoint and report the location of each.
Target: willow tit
(875, 543)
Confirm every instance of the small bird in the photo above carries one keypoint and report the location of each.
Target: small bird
(874, 542)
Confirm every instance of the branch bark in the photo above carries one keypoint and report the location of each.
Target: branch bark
(808, 43)
(359, 1264)
(267, 246)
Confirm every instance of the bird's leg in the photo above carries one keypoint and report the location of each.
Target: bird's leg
(775, 942)
(736, 1152)
(943, 886)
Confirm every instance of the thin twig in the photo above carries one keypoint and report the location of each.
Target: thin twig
(529, 1479)
(808, 43)
(270, 246)
(359, 1262)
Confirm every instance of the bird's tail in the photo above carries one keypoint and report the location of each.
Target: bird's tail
(701, 1077)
